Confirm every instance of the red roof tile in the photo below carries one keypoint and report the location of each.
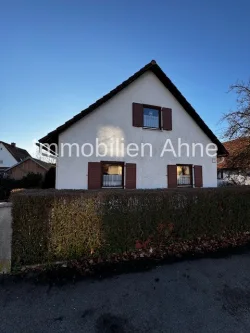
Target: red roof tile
(239, 154)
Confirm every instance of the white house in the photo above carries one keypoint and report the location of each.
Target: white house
(10, 155)
(235, 168)
(125, 139)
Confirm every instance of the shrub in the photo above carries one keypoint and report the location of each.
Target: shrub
(50, 178)
(53, 225)
(6, 185)
(31, 180)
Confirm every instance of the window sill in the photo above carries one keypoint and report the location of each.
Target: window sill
(151, 128)
(112, 187)
(180, 186)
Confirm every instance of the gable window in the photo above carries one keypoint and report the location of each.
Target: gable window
(112, 174)
(151, 117)
(184, 175)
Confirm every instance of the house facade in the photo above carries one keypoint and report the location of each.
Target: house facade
(10, 154)
(234, 169)
(130, 139)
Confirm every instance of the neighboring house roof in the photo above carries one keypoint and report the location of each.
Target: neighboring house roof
(19, 154)
(52, 137)
(239, 154)
(42, 164)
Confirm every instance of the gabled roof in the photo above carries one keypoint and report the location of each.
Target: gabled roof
(239, 154)
(52, 137)
(42, 164)
(19, 154)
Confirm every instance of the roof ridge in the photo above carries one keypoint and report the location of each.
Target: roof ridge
(43, 164)
(9, 144)
(18, 153)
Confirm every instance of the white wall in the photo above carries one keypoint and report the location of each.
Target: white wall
(6, 157)
(114, 119)
(5, 236)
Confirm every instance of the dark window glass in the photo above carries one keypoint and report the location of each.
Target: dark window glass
(220, 174)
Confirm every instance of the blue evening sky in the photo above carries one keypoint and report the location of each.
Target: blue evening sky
(59, 56)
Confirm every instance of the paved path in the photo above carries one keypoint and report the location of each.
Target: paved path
(209, 295)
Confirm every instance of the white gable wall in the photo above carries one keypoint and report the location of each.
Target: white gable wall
(114, 119)
(6, 159)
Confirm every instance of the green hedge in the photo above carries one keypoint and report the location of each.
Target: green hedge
(31, 180)
(51, 225)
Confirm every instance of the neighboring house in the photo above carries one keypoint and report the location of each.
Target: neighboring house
(29, 165)
(235, 168)
(146, 108)
(10, 154)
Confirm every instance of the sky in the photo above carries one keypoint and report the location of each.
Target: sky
(59, 56)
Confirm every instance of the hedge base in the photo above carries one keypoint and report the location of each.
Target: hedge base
(139, 261)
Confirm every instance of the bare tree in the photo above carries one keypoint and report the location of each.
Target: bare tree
(238, 126)
(239, 120)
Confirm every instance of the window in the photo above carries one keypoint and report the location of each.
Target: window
(184, 175)
(112, 174)
(151, 117)
(220, 174)
(1, 161)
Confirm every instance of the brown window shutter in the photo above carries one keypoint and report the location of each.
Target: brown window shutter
(137, 115)
(198, 181)
(172, 176)
(94, 175)
(130, 176)
(167, 119)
